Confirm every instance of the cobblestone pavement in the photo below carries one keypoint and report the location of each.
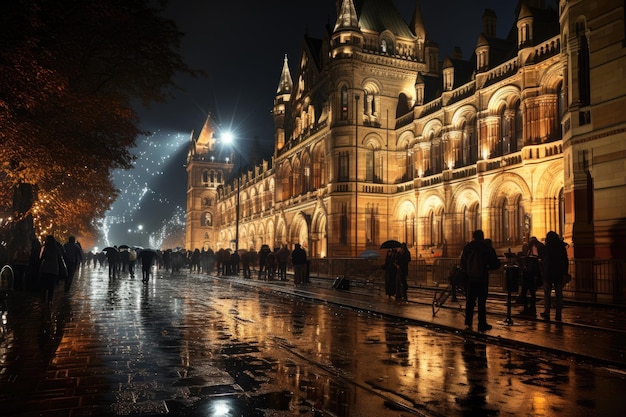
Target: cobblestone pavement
(90, 353)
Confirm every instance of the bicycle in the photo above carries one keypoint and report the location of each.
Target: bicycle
(456, 286)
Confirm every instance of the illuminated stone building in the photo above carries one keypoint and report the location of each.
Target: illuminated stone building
(377, 137)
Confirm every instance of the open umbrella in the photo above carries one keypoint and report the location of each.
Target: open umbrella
(123, 247)
(390, 244)
(369, 254)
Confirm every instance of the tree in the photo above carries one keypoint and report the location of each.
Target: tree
(71, 74)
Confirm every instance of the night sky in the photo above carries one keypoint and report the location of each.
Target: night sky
(240, 45)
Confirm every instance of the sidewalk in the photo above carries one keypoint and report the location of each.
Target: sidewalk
(588, 333)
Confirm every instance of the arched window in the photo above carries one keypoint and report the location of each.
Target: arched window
(205, 177)
(207, 219)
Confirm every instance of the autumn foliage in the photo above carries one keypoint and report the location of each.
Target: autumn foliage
(72, 73)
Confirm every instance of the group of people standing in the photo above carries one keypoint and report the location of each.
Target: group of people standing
(541, 265)
(396, 269)
(43, 266)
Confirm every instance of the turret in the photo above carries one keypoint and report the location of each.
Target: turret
(347, 37)
(283, 95)
(525, 25)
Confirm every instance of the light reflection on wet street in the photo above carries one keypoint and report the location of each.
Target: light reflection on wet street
(197, 346)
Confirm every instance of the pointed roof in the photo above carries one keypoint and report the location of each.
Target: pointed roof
(347, 18)
(206, 137)
(286, 84)
(381, 15)
(417, 23)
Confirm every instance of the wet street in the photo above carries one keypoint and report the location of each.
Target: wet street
(194, 345)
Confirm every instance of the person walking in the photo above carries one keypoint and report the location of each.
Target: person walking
(73, 259)
(555, 265)
(147, 258)
(265, 250)
(298, 259)
(391, 270)
(477, 259)
(282, 256)
(531, 277)
(51, 263)
(402, 260)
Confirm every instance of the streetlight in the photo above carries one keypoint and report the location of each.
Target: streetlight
(229, 139)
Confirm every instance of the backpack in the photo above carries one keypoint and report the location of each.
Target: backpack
(474, 265)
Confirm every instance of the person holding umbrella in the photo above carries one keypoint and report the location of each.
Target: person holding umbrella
(113, 259)
(147, 257)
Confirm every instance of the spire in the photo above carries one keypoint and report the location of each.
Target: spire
(206, 138)
(286, 84)
(347, 17)
(417, 23)
(419, 30)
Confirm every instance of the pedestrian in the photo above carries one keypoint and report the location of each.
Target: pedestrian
(20, 267)
(245, 264)
(391, 270)
(73, 258)
(234, 263)
(402, 260)
(113, 259)
(555, 265)
(51, 263)
(282, 256)
(132, 258)
(298, 259)
(265, 250)
(147, 258)
(531, 276)
(271, 265)
(477, 259)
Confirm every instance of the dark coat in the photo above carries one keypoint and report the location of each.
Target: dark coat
(490, 260)
(555, 261)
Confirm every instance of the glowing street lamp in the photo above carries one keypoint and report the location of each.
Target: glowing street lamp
(229, 139)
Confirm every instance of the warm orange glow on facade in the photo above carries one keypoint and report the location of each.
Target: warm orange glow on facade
(516, 146)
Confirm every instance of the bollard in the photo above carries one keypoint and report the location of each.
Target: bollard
(511, 274)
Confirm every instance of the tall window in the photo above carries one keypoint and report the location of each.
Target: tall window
(344, 103)
(343, 166)
(436, 156)
(409, 230)
(584, 90)
(343, 225)
(519, 128)
(369, 165)
(371, 226)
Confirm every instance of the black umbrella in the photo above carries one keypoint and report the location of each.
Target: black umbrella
(124, 247)
(390, 244)
(109, 249)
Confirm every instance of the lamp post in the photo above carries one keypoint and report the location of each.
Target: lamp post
(229, 138)
(356, 175)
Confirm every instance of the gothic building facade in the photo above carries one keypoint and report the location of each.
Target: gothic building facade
(377, 137)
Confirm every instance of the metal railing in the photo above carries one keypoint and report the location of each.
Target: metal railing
(593, 280)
